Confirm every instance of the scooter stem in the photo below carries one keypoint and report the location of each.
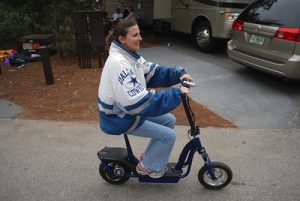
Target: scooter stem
(189, 113)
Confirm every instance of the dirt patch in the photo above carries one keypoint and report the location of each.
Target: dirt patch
(73, 96)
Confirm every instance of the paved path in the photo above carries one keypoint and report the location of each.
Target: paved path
(53, 161)
(9, 110)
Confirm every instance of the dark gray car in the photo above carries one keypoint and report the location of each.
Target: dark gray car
(266, 36)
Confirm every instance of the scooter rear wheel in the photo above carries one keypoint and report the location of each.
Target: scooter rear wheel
(114, 174)
(222, 172)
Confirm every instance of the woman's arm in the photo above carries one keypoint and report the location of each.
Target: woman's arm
(161, 76)
(133, 98)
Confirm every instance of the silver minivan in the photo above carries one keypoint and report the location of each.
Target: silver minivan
(266, 36)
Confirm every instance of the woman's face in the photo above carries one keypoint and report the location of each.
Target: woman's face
(133, 38)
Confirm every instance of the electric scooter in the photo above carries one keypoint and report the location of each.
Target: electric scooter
(118, 164)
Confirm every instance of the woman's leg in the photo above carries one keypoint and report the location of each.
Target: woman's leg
(160, 130)
(168, 120)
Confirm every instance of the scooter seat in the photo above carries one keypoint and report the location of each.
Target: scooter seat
(113, 154)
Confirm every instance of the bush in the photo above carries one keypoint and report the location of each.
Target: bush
(14, 23)
(21, 17)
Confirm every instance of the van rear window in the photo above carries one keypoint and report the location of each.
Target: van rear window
(280, 13)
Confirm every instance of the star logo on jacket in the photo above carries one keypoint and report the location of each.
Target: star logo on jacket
(133, 81)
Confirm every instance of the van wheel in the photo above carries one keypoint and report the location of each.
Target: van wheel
(203, 37)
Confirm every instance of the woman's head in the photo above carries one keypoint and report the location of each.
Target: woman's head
(128, 33)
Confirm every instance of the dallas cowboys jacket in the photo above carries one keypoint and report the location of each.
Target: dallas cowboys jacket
(123, 98)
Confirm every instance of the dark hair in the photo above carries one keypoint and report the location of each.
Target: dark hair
(125, 13)
(121, 28)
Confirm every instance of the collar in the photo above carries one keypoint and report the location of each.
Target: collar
(119, 45)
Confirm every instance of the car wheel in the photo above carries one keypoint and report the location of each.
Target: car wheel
(203, 37)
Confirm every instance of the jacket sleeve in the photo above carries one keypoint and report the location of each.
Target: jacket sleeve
(132, 98)
(162, 102)
(161, 76)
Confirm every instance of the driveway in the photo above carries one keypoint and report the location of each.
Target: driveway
(57, 161)
(249, 98)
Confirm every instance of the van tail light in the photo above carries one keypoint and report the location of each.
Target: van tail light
(238, 25)
(290, 34)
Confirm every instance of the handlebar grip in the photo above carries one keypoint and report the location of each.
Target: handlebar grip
(190, 84)
(187, 83)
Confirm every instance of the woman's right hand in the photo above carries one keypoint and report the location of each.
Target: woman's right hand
(184, 90)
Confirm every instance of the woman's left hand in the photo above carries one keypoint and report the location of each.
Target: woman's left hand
(186, 76)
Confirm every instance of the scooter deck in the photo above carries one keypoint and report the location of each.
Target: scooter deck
(171, 176)
(120, 154)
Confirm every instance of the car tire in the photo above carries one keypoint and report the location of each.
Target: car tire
(203, 39)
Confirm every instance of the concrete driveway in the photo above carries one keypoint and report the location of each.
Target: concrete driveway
(56, 161)
(248, 98)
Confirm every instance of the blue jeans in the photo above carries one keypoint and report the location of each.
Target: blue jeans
(161, 131)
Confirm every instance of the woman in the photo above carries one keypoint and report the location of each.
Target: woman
(126, 106)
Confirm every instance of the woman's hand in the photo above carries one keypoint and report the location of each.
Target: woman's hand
(186, 76)
(184, 90)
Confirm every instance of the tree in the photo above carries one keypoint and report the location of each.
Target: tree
(20, 17)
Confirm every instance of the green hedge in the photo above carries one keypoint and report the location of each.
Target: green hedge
(14, 23)
(20, 17)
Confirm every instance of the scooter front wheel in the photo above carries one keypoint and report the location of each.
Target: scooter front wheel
(222, 172)
(113, 173)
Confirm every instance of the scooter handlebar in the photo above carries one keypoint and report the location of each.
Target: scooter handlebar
(188, 83)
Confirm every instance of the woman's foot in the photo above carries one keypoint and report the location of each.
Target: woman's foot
(142, 170)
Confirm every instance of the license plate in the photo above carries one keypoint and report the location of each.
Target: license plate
(258, 40)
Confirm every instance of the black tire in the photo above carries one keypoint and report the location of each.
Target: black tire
(112, 178)
(203, 39)
(223, 173)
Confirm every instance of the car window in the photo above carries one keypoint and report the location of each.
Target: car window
(281, 13)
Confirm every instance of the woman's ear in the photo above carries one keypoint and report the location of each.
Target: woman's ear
(122, 39)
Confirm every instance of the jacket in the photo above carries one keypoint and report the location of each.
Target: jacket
(123, 98)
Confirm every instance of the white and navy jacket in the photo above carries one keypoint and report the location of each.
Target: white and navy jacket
(123, 98)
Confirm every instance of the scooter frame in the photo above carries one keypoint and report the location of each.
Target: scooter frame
(187, 153)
